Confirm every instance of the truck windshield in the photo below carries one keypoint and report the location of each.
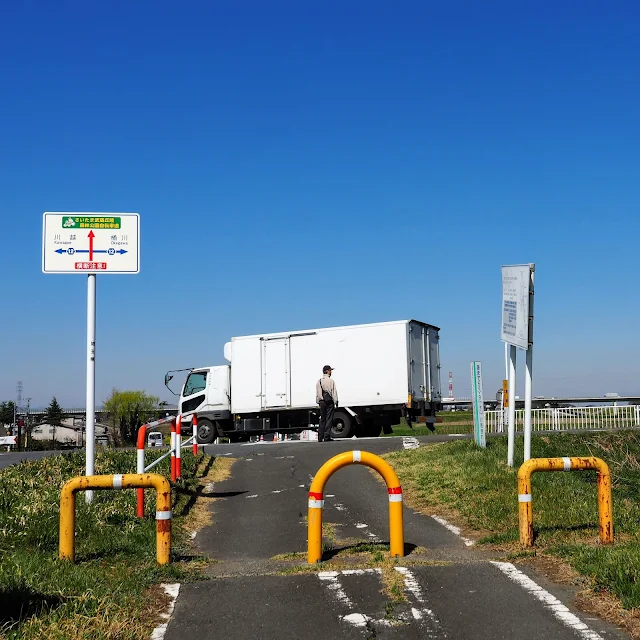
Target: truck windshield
(196, 381)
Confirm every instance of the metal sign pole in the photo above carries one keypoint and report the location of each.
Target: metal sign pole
(91, 380)
(512, 405)
(528, 392)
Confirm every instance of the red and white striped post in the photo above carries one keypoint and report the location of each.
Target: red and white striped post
(194, 422)
(173, 450)
(179, 447)
(142, 436)
(142, 433)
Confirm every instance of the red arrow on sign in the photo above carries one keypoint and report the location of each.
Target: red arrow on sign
(91, 237)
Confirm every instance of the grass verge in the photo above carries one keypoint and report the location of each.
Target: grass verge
(111, 591)
(450, 422)
(478, 491)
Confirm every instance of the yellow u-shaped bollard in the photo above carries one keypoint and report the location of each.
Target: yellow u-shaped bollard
(125, 481)
(316, 500)
(525, 510)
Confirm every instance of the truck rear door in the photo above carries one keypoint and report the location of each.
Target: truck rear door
(418, 363)
(424, 362)
(275, 373)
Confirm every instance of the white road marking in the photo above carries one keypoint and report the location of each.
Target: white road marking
(331, 578)
(410, 443)
(549, 601)
(361, 525)
(255, 495)
(453, 529)
(356, 619)
(172, 590)
(339, 506)
(425, 616)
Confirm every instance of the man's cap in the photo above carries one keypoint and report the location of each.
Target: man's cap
(326, 368)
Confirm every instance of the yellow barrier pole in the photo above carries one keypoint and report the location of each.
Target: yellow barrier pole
(605, 505)
(316, 500)
(125, 481)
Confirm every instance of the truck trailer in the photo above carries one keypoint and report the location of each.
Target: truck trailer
(383, 372)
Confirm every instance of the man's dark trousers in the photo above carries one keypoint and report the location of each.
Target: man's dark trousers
(326, 420)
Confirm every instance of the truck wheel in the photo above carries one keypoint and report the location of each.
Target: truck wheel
(206, 431)
(342, 425)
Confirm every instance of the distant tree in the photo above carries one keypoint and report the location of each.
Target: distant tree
(54, 416)
(6, 413)
(128, 411)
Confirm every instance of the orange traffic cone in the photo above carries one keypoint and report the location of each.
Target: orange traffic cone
(262, 437)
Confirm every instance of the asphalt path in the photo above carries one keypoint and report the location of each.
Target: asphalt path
(256, 588)
(8, 458)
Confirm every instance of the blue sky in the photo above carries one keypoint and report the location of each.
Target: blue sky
(300, 165)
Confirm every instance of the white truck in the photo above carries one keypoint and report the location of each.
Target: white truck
(383, 372)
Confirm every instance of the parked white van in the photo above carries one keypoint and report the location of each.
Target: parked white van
(154, 439)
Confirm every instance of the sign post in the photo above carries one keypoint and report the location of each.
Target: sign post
(91, 243)
(479, 426)
(505, 400)
(517, 332)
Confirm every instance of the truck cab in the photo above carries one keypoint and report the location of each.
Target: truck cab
(207, 392)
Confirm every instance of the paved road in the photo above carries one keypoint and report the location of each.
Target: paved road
(7, 458)
(451, 590)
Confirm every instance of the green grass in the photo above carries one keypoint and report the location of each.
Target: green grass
(104, 594)
(459, 479)
(451, 422)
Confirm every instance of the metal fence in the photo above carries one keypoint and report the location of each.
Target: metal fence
(569, 418)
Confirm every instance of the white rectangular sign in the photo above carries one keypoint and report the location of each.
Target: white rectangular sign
(479, 427)
(515, 304)
(8, 440)
(91, 243)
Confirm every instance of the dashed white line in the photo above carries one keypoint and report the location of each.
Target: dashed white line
(255, 495)
(455, 530)
(560, 611)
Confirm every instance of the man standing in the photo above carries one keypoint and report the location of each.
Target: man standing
(327, 398)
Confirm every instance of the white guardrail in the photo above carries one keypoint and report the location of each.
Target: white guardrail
(566, 419)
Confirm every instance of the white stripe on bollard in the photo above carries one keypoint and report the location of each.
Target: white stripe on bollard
(524, 497)
(567, 464)
(163, 515)
(356, 456)
(117, 481)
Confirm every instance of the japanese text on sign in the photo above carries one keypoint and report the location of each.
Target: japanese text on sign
(91, 222)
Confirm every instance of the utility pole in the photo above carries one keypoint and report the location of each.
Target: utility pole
(27, 433)
(15, 411)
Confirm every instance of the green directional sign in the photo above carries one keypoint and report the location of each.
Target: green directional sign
(91, 222)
